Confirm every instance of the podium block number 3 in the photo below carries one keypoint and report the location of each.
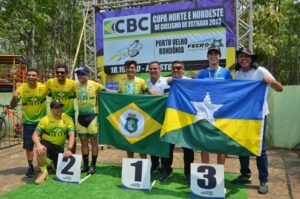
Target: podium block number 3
(208, 181)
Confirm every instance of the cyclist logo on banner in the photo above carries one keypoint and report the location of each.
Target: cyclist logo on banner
(131, 51)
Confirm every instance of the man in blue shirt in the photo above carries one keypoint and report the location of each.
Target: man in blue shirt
(214, 71)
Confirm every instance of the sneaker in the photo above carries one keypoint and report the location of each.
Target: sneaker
(30, 172)
(155, 169)
(42, 177)
(263, 188)
(165, 175)
(84, 169)
(241, 180)
(92, 170)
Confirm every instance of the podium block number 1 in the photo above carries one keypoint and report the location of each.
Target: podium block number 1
(138, 170)
(136, 173)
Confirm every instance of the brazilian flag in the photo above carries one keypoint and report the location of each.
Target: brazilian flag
(133, 122)
(220, 116)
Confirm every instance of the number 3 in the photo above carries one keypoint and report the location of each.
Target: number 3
(68, 166)
(209, 181)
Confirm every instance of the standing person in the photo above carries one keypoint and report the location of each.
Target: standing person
(63, 89)
(33, 97)
(133, 85)
(188, 154)
(49, 138)
(247, 69)
(87, 127)
(214, 71)
(160, 85)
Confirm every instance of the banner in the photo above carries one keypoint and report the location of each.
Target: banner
(133, 122)
(175, 31)
(219, 116)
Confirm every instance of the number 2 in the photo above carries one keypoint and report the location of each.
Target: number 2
(138, 170)
(69, 165)
(209, 181)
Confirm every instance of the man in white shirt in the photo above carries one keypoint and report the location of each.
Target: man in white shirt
(160, 85)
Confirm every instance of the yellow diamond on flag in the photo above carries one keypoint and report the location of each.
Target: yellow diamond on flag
(133, 123)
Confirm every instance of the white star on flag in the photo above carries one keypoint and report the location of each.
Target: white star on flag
(205, 109)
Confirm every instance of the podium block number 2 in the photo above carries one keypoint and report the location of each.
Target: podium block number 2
(68, 169)
(69, 165)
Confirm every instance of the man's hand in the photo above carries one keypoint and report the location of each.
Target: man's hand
(67, 153)
(40, 150)
(269, 80)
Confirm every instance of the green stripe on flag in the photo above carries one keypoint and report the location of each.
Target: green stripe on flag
(204, 136)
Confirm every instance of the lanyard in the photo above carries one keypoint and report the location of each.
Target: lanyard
(83, 93)
(216, 73)
(130, 87)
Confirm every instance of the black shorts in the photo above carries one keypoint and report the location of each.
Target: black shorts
(27, 135)
(52, 151)
(85, 120)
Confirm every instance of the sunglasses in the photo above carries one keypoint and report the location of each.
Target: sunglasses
(176, 68)
(60, 72)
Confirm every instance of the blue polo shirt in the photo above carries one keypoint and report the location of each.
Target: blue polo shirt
(220, 73)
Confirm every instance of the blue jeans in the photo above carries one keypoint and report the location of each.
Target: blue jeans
(261, 161)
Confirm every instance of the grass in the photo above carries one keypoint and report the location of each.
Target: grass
(106, 184)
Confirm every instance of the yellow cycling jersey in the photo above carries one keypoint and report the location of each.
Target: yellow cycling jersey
(64, 92)
(55, 130)
(87, 97)
(33, 102)
(136, 86)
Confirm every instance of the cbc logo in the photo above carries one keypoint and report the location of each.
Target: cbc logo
(130, 25)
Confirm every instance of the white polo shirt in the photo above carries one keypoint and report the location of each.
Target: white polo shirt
(160, 86)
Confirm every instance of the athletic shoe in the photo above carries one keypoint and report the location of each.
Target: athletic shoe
(155, 169)
(92, 170)
(84, 169)
(30, 172)
(165, 175)
(263, 188)
(42, 177)
(241, 180)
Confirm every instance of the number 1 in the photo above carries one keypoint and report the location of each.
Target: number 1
(138, 170)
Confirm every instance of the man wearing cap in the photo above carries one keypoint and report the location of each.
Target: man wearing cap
(133, 85)
(214, 71)
(49, 138)
(188, 154)
(247, 69)
(63, 89)
(160, 85)
(87, 127)
(33, 97)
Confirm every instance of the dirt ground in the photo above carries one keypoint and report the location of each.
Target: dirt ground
(284, 170)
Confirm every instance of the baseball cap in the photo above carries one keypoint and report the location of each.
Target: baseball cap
(56, 104)
(82, 71)
(246, 51)
(215, 48)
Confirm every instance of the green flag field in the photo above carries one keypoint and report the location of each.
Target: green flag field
(106, 184)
